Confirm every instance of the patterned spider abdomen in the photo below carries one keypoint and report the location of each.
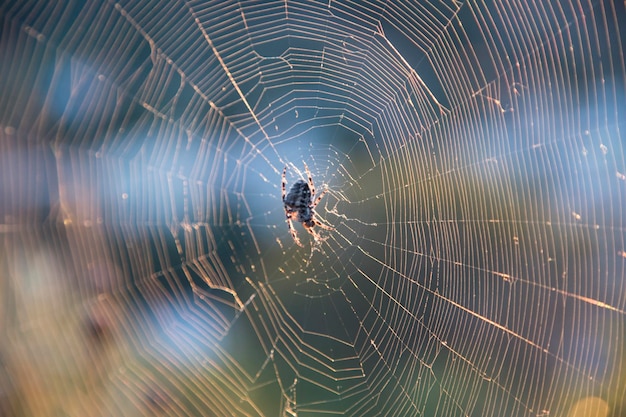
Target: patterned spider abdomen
(298, 200)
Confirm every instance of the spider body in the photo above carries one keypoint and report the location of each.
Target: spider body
(300, 204)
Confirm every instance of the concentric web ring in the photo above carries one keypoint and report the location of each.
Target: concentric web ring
(475, 169)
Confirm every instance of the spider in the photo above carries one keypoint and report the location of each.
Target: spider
(299, 205)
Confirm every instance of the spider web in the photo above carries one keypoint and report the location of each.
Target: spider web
(476, 173)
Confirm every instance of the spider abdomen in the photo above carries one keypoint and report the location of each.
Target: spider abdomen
(298, 200)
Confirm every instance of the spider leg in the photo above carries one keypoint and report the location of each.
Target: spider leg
(292, 230)
(322, 225)
(284, 183)
(311, 185)
(311, 231)
(319, 197)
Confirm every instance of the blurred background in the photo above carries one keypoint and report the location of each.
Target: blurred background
(474, 163)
